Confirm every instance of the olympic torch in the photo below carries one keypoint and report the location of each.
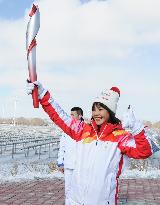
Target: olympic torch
(32, 30)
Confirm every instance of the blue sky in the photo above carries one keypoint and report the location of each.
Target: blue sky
(13, 9)
(83, 49)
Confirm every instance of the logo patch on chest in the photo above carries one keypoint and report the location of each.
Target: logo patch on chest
(88, 140)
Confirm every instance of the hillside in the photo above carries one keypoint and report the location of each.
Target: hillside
(45, 122)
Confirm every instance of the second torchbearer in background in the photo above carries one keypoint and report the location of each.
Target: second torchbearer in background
(32, 30)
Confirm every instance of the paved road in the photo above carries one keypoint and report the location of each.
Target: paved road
(139, 192)
(51, 192)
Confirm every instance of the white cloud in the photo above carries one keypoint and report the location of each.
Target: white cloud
(83, 49)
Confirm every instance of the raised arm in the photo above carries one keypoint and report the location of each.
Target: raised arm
(135, 144)
(70, 126)
(137, 147)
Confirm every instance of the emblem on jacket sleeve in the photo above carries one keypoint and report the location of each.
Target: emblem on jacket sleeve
(120, 132)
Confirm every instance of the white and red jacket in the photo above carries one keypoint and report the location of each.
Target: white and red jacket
(98, 161)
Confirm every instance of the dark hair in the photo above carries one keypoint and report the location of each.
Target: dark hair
(78, 110)
(112, 118)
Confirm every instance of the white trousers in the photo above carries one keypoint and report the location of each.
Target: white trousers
(68, 198)
(67, 177)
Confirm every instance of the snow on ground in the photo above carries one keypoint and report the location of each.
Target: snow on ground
(149, 174)
(21, 170)
(38, 162)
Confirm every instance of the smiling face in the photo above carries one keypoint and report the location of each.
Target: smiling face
(100, 114)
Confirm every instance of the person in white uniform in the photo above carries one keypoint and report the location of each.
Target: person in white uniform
(67, 154)
(100, 145)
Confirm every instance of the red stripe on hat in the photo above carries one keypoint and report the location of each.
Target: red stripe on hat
(115, 89)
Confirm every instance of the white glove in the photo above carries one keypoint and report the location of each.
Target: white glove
(130, 124)
(41, 90)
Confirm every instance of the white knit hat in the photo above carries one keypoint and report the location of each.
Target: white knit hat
(109, 98)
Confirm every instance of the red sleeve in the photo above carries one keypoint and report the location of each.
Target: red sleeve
(70, 126)
(140, 150)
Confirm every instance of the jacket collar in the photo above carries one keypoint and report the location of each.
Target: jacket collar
(108, 129)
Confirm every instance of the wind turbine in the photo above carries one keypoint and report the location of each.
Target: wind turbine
(15, 100)
(14, 115)
(3, 111)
